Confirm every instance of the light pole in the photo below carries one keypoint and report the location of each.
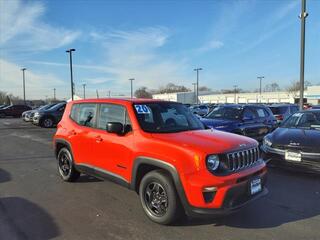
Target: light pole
(235, 93)
(54, 94)
(24, 84)
(194, 90)
(71, 74)
(302, 16)
(84, 90)
(131, 80)
(197, 70)
(260, 78)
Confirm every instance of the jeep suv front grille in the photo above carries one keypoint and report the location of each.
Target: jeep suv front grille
(241, 159)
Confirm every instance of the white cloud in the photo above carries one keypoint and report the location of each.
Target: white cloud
(135, 54)
(212, 45)
(22, 28)
(38, 85)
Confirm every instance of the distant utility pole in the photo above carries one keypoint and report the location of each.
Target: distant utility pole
(54, 94)
(97, 93)
(84, 90)
(194, 90)
(109, 93)
(197, 96)
(235, 93)
(302, 16)
(131, 80)
(260, 78)
(71, 73)
(24, 85)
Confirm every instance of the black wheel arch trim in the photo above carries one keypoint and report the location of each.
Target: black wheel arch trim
(166, 166)
(64, 142)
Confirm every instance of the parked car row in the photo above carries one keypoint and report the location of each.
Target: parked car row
(45, 116)
(291, 138)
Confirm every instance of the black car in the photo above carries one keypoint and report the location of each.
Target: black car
(28, 115)
(253, 121)
(296, 143)
(14, 110)
(49, 117)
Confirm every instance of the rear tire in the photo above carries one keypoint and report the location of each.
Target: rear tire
(66, 168)
(159, 198)
(47, 122)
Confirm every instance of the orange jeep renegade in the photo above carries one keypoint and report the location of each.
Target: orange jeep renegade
(163, 152)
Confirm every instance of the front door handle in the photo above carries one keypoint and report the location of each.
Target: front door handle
(73, 132)
(99, 139)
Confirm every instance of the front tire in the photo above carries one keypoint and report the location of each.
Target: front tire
(66, 168)
(158, 197)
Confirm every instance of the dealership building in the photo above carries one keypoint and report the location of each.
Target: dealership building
(311, 95)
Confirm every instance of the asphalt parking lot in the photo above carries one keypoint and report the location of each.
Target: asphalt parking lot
(36, 204)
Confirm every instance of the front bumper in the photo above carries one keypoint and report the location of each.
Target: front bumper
(36, 120)
(232, 193)
(310, 162)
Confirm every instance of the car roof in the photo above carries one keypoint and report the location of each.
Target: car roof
(119, 100)
(283, 105)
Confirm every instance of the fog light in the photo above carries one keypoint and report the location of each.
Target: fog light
(209, 194)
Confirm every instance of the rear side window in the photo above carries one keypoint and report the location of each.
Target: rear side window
(278, 110)
(112, 113)
(262, 113)
(294, 109)
(84, 114)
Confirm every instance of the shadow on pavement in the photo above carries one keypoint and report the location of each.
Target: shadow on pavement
(22, 219)
(4, 176)
(86, 178)
(292, 197)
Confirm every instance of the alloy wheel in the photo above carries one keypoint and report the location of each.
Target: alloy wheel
(156, 199)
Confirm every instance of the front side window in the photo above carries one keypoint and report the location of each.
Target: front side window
(248, 113)
(112, 113)
(225, 112)
(164, 117)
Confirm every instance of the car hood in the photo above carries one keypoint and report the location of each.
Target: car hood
(302, 139)
(208, 141)
(217, 122)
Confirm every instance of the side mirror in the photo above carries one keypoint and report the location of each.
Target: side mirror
(115, 127)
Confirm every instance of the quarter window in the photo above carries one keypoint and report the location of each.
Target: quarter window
(84, 114)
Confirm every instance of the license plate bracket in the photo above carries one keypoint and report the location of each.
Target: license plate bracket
(255, 186)
(292, 156)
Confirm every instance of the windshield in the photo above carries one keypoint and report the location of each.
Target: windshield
(55, 106)
(303, 120)
(278, 110)
(166, 117)
(225, 112)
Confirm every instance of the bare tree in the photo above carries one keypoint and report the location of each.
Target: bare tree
(204, 89)
(142, 92)
(294, 88)
(273, 87)
(173, 88)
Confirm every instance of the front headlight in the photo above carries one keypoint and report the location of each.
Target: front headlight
(267, 142)
(36, 114)
(212, 163)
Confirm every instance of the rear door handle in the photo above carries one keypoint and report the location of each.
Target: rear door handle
(99, 139)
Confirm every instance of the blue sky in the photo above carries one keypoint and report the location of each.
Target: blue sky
(155, 42)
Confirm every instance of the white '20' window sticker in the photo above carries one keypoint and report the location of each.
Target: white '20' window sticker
(142, 109)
